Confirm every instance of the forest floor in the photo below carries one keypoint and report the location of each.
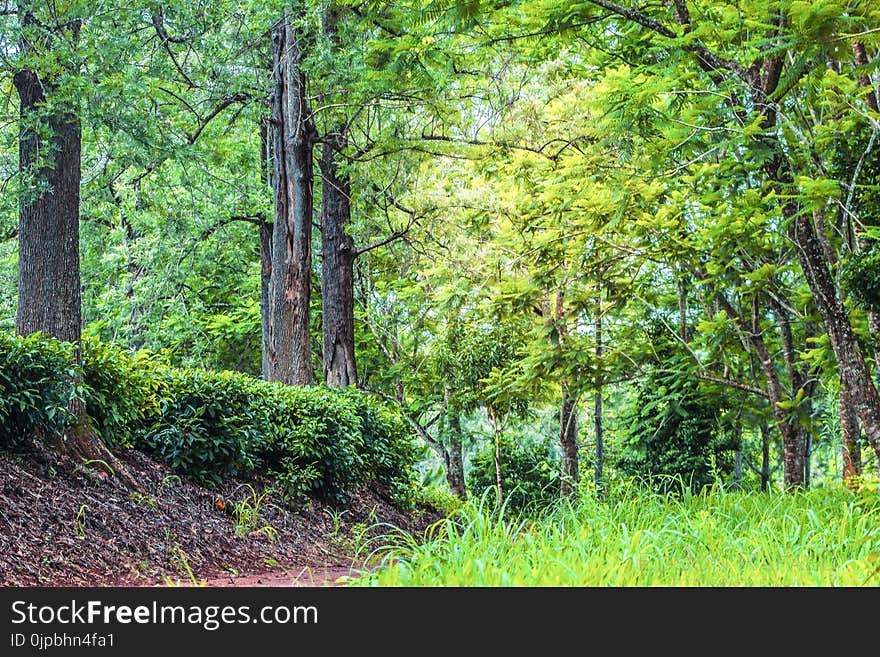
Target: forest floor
(63, 526)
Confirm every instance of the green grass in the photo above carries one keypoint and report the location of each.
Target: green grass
(824, 537)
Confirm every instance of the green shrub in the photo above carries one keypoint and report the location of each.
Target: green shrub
(390, 449)
(37, 386)
(315, 445)
(314, 440)
(204, 426)
(529, 479)
(208, 425)
(120, 391)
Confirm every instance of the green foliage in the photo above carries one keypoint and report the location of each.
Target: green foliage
(37, 385)
(390, 450)
(860, 274)
(208, 425)
(529, 478)
(315, 440)
(672, 434)
(636, 537)
(120, 390)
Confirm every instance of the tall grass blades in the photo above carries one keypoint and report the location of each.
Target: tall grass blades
(824, 537)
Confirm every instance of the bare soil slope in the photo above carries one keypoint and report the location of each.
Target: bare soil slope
(63, 525)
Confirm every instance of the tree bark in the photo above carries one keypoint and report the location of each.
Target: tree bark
(49, 283)
(854, 374)
(454, 457)
(337, 246)
(597, 411)
(293, 139)
(568, 433)
(568, 429)
(851, 450)
(337, 271)
(265, 280)
(48, 233)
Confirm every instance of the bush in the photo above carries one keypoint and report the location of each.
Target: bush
(673, 435)
(390, 450)
(205, 424)
(530, 480)
(315, 444)
(314, 440)
(37, 386)
(120, 391)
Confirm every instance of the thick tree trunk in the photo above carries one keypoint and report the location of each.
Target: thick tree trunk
(49, 297)
(48, 233)
(337, 272)
(854, 374)
(568, 434)
(293, 138)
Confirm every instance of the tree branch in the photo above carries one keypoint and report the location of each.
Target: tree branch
(735, 384)
(159, 26)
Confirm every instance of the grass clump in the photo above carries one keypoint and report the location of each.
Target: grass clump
(637, 537)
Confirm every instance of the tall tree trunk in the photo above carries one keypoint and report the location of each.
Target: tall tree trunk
(337, 246)
(765, 458)
(454, 457)
(49, 297)
(337, 272)
(851, 450)
(568, 429)
(293, 139)
(597, 411)
(568, 433)
(854, 374)
(265, 280)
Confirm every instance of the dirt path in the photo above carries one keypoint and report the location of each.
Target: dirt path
(288, 577)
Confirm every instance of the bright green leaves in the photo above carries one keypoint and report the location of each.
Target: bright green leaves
(816, 20)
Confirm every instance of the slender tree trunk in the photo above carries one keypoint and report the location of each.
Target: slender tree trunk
(265, 309)
(293, 138)
(765, 458)
(454, 456)
(597, 411)
(496, 431)
(851, 450)
(738, 459)
(337, 272)
(568, 433)
(568, 429)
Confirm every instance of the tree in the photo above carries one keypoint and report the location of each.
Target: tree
(293, 137)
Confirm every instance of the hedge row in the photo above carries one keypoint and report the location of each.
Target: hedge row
(315, 440)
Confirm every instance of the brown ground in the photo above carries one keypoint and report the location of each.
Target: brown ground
(63, 527)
